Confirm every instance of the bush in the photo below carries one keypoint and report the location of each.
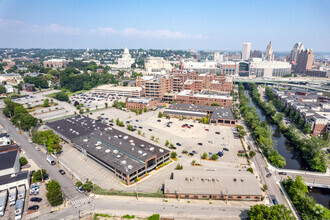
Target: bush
(154, 217)
(214, 157)
(252, 154)
(204, 156)
(78, 184)
(129, 216)
(23, 161)
(265, 187)
(179, 167)
(250, 169)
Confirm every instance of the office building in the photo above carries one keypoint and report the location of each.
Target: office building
(128, 157)
(269, 56)
(228, 68)
(204, 98)
(294, 52)
(218, 185)
(202, 67)
(305, 60)
(218, 57)
(246, 51)
(157, 64)
(119, 90)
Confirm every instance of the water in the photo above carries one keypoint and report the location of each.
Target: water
(321, 196)
(281, 144)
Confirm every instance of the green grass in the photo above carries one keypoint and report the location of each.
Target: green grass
(154, 217)
(100, 191)
(96, 215)
(129, 216)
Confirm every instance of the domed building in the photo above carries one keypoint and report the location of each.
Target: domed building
(126, 60)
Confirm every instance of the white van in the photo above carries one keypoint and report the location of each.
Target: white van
(51, 160)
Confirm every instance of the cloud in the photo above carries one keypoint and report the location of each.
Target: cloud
(17, 26)
(133, 32)
(56, 28)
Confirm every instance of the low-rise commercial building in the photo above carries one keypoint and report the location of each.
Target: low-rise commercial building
(120, 90)
(128, 157)
(217, 185)
(140, 103)
(217, 115)
(9, 162)
(269, 69)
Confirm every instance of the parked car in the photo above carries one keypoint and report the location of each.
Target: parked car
(241, 151)
(37, 148)
(80, 189)
(159, 120)
(191, 154)
(178, 144)
(200, 143)
(30, 141)
(195, 152)
(149, 129)
(217, 132)
(140, 127)
(226, 149)
(35, 199)
(220, 153)
(268, 175)
(33, 207)
(275, 201)
(62, 172)
(282, 173)
(206, 129)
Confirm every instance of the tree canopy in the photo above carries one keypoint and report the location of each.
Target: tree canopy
(261, 212)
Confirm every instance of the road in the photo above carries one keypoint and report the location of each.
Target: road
(39, 158)
(147, 208)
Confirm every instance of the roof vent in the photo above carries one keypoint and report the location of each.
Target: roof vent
(107, 150)
(85, 140)
(109, 138)
(130, 167)
(132, 148)
(131, 141)
(161, 150)
(144, 154)
(70, 129)
(151, 149)
(115, 151)
(120, 143)
(142, 145)
(115, 136)
(118, 156)
(100, 134)
(98, 148)
(124, 162)
(140, 151)
(125, 137)
(13, 175)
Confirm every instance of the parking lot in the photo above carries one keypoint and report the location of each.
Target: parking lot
(93, 100)
(212, 138)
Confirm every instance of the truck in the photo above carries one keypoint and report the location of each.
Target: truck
(3, 201)
(51, 160)
(12, 195)
(19, 209)
(21, 192)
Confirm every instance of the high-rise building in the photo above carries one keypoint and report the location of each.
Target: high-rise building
(305, 60)
(218, 57)
(269, 56)
(294, 52)
(246, 50)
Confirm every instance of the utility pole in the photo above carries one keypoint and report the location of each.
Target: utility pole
(137, 194)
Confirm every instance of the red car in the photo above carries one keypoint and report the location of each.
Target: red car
(183, 126)
(206, 129)
(188, 127)
(241, 151)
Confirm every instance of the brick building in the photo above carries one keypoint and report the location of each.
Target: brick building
(140, 103)
(204, 98)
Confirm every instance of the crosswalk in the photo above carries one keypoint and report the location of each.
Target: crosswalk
(77, 201)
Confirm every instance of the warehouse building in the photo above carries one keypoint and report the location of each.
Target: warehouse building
(126, 156)
(218, 185)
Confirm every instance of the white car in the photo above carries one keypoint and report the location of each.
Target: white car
(37, 148)
(30, 141)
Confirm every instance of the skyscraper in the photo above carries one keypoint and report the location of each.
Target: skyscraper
(294, 52)
(305, 60)
(246, 50)
(269, 52)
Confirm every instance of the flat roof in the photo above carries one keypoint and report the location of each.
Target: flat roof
(225, 182)
(113, 147)
(126, 88)
(204, 95)
(7, 159)
(217, 111)
(185, 112)
(10, 178)
(75, 126)
(143, 100)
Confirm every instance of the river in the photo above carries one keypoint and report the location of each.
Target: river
(282, 145)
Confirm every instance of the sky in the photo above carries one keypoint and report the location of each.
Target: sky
(180, 24)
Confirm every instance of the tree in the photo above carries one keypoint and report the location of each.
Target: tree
(39, 175)
(139, 131)
(214, 157)
(2, 90)
(307, 128)
(23, 161)
(152, 137)
(62, 96)
(145, 109)
(173, 154)
(249, 169)
(46, 103)
(48, 138)
(54, 193)
(193, 162)
(167, 143)
(301, 122)
(252, 154)
(258, 212)
(106, 105)
(204, 156)
(265, 187)
(160, 114)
